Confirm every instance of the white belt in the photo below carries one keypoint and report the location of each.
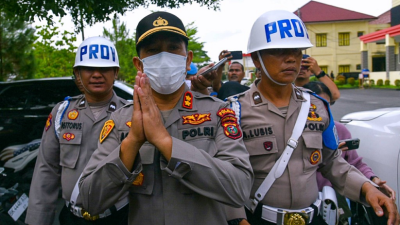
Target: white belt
(82, 213)
(284, 216)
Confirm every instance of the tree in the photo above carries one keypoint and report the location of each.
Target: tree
(200, 56)
(16, 56)
(125, 45)
(87, 12)
(54, 60)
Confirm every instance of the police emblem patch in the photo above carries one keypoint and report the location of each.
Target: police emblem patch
(268, 145)
(232, 130)
(48, 122)
(187, 100)
(107, 128)
(73, 114)
(68, 136)
(312, 114)
(315, 157)
(225, 111)
(139, 179)
(196, 119)
(129, 124)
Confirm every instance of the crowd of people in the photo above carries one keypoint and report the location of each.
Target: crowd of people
(178, 155)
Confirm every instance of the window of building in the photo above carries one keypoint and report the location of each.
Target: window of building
(358, 67)
(344, 69)
(344, 39)
(360, 33)
(321, 40)
(324, 68)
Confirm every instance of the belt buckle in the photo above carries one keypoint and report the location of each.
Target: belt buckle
(88, 217)
(295, 218)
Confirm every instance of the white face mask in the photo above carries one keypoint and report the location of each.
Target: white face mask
(166, 71)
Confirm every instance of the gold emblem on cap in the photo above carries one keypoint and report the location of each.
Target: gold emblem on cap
(160, 22)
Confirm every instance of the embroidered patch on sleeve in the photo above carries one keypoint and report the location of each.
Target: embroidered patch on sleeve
(315, 157)
(48, 122)
(107, 128)
(229, 123)
(196, 119)
(139, 179)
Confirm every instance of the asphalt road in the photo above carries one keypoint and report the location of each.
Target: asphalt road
(355, 100)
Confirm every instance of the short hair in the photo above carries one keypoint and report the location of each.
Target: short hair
(319, 87)
(237, 63)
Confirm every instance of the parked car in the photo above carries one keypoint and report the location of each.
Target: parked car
(379, 134)
(26, 104)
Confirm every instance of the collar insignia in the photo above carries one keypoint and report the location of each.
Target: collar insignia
(82, 103)
(112, 107)
(73, 114)
(107, 128)
(187, 100)
(257, 98)
(196, 119)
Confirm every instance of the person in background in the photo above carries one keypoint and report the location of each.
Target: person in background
(309, 66)
(193, 71)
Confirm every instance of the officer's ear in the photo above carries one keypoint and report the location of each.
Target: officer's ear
(255, 59)
(116, 71)
(189, 60)
(137, 63)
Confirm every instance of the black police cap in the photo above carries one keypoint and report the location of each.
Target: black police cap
(157, 22)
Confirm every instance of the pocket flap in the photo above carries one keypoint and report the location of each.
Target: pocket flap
(261, 146)
(312, 139)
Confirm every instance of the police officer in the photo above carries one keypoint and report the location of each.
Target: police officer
(70, 137)
(286, 149)
(179, 153)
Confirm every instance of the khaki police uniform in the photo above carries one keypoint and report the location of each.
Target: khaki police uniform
(265, 133)
(209, 166)
(62, 159)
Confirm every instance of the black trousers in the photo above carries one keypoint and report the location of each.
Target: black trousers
(255, 219)
(119, 217)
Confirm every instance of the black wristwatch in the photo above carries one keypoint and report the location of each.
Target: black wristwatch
(321, 74)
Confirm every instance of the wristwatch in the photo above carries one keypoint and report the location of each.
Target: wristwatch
(321, 74)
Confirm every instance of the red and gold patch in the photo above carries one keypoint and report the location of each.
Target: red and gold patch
(129, 124)
(315, 157)
(48, 122)
(187, 100)
(73, 114)
(107, 128)
(225, 111)
(139, 179)
(228, 118)
(196, 119)
(232, 130)
(312, 114)
(68, 136)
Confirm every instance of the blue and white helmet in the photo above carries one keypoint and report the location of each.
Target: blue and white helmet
(278, 29)
(97, 52)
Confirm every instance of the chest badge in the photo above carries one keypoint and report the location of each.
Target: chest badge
(129, 124)
(187, 100)
(68, 136)
(196, 119)
(312, 114)
(139, 179)
(268, 145)
(315, 157)
(73, 114)
(107, 128)
(48, 122)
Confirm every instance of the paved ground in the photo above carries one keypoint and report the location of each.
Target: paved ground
(354, 100)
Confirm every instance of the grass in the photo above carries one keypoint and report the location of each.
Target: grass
(348, 86)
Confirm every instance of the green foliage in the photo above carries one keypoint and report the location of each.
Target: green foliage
(199, 55)
(54, 55)
(16, 55)
(87, 12)
(351, 81)
(379, 82)
(372, 82)
(341, 79)
(387, 82)
(126, 48)
(397, 83)
(313, 78)
(337, 82)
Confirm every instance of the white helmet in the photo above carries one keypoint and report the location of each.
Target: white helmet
(278, 29)
(97, 52)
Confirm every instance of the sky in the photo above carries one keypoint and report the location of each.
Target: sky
(229, 27)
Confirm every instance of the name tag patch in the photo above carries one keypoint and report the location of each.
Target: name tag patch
(69, 125)
(257, 132)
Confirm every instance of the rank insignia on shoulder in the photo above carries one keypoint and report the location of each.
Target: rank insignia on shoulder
(73, 114)
(312, 114)
(48, 122)
(68, 136)
(196, 119)
(257, 98)
(225, 111)
(129, 124)
(139, 179)
(187, 100)
(315, 157)
(107, 128)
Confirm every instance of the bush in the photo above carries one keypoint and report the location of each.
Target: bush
(337, 82)
(372, 82)
(397, 83)
(351, 81)
(313, 78)
(379, 82)
(387, 82)
(341, 79)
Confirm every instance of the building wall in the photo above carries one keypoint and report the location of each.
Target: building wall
(393, 75)
(334, 55)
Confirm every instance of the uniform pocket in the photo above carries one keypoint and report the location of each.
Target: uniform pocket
(261, 146)
(70, 146)
(312, 155)
(146, 152)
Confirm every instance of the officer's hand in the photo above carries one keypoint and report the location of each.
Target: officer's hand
(384, 187)
(244, 222)
(312, 65)
(200, 83)
(381, 204)
(153, 124)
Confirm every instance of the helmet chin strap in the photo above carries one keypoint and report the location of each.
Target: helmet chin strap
(265, 70)
(80, 77)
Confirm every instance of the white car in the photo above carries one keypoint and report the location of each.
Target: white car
(379, 134)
